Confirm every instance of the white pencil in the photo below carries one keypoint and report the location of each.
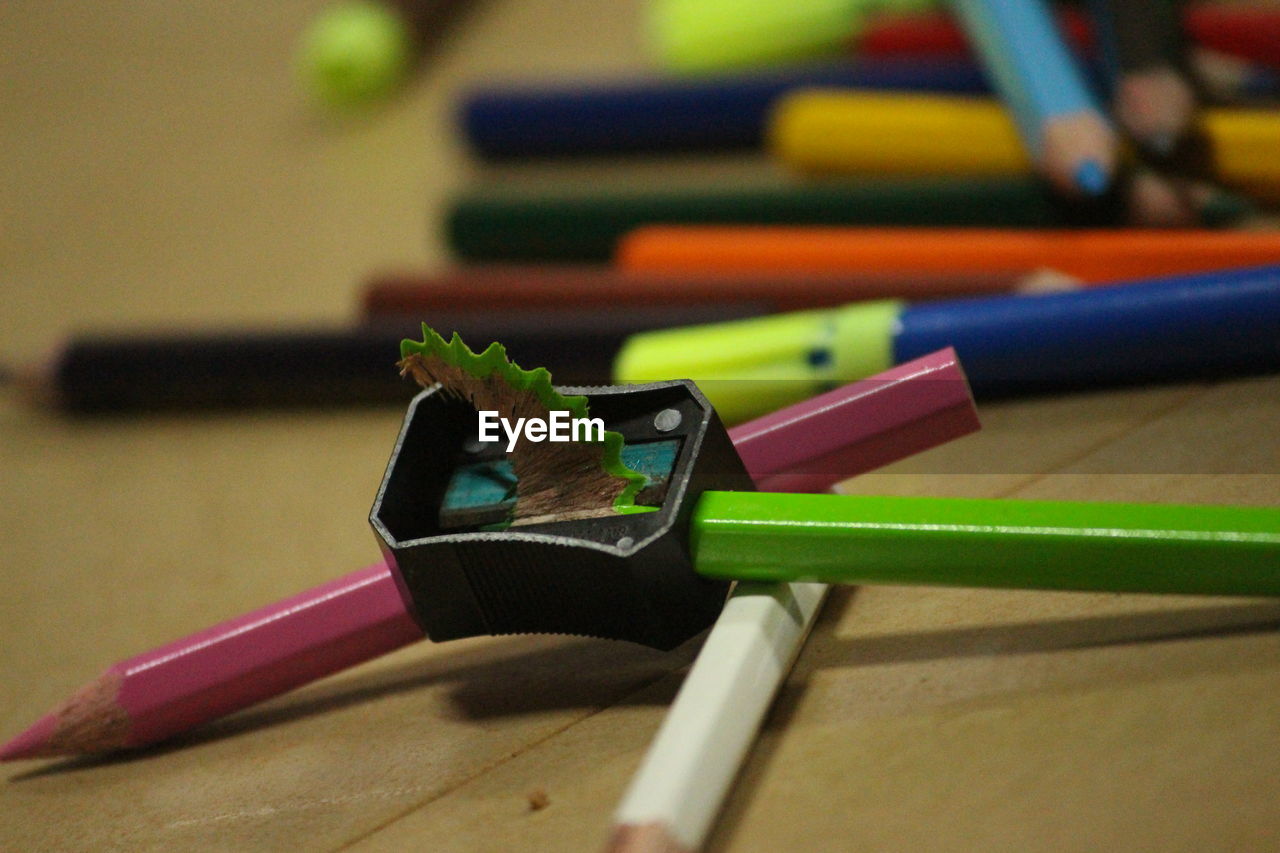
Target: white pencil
(677, 792)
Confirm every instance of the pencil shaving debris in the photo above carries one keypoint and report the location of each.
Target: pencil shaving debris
(538, 800)
(582, 478)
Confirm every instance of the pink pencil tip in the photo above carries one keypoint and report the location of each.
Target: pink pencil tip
(33, 743)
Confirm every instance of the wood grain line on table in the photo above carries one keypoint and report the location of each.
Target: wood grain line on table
(1144, 421)
(647, 685)
(1247, 630)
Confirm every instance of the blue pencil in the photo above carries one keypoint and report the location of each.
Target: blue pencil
(1172, 329)
(1179, 328)
(1057, 116)
(710, 113)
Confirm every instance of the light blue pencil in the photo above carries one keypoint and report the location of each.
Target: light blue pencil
(1060, 122)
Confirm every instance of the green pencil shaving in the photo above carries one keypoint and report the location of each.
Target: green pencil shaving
(581, 475)
(1012, 544)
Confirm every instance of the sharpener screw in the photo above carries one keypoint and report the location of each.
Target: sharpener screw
(666, 420)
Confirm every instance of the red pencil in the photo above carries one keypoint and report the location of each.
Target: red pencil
(357, 617)
(1246, 32)
(938, 34)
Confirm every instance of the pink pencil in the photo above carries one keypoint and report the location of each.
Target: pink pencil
(811, 446)
(227, 667)
(806, 447)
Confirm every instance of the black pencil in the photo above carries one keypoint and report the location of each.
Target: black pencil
(310, 368)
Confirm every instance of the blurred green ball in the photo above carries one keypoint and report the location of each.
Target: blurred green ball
(354, 53)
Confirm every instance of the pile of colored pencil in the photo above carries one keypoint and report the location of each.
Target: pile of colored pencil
(964, 134)
(932, 155)
(957, 184)
(1072, 198)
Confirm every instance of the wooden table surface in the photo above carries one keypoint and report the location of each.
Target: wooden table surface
(159, 170)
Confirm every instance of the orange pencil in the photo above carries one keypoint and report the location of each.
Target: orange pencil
(1090, 256)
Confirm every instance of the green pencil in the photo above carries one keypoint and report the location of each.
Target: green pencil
(586, 224)
(1012, 544)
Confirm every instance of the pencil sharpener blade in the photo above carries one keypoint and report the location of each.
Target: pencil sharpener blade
(624, 577)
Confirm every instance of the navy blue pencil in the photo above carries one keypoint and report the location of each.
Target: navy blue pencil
(708, 113)
(729, 112)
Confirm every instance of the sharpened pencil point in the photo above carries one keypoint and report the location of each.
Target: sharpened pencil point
(90, 720)
(1091, 178)
(644, 838)
(33, 743)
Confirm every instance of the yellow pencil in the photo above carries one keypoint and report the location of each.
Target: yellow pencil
(838, 131)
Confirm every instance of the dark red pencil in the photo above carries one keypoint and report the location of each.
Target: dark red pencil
(515, 289)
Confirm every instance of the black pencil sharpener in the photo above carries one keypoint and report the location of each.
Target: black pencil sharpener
(623, 577)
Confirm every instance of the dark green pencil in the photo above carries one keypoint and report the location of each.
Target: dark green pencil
(585, 224)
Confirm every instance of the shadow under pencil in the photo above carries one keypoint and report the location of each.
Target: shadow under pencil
(498, 679)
